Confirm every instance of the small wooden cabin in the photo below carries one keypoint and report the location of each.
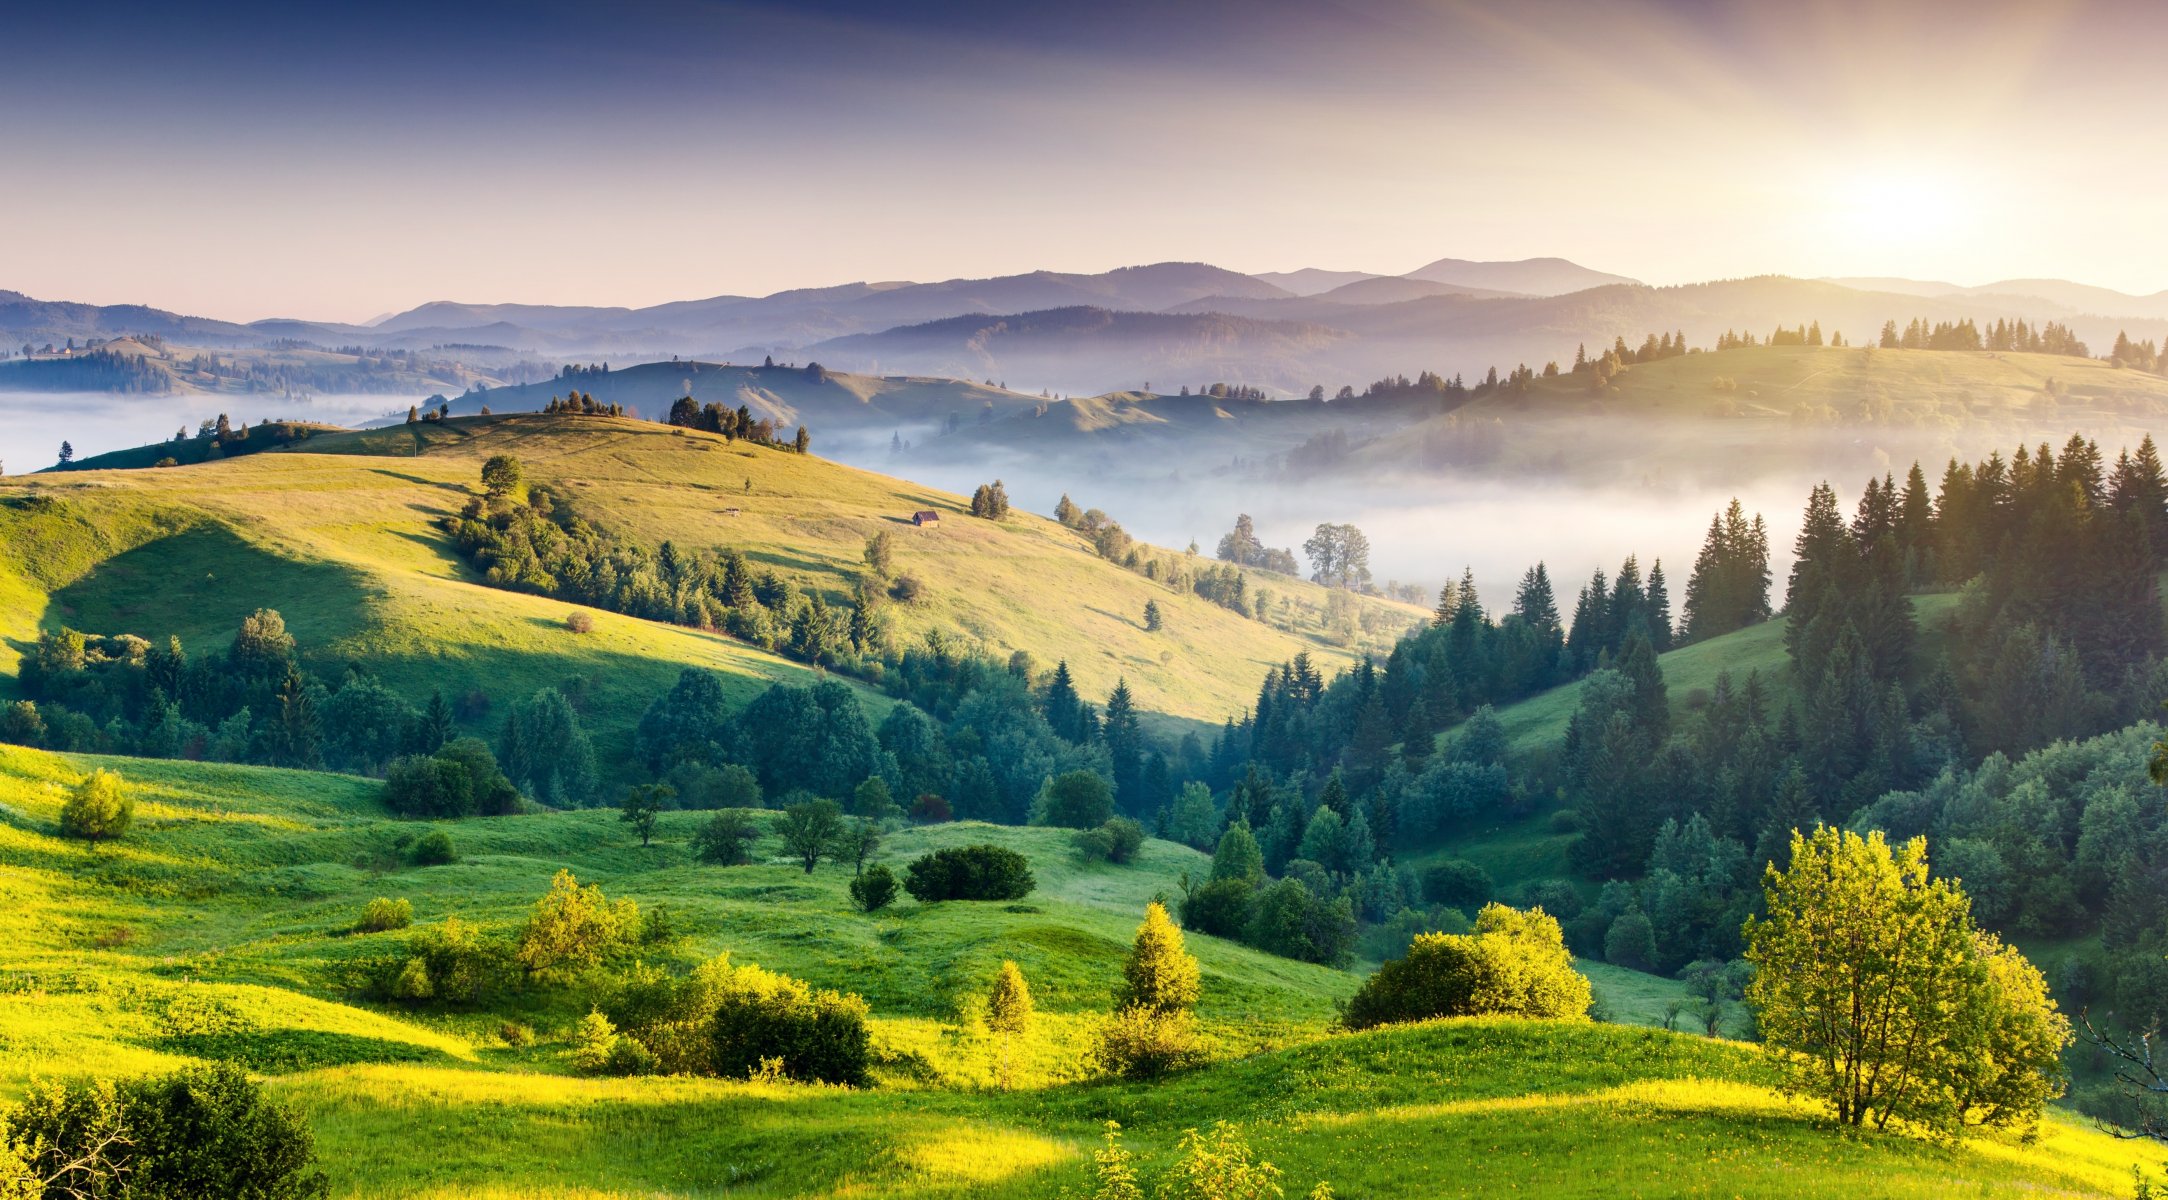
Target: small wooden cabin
(925, 516)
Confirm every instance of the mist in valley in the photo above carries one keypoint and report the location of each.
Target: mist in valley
(33, 424)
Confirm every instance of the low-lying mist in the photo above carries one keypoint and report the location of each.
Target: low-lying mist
(1577, 495)
(33, 424)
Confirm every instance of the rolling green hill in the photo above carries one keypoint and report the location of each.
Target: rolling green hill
(218, 925)
(1737, 415)
(342, 536)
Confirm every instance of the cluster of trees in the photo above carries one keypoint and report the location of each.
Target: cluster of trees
(1237, 392)
(2003, 336)
(252, 703)
(1242, 547)
(582, 404)
(93, 371)
(734, 424)
(542, 544)
(991, 501)
(1729, 589)
(1225, 586)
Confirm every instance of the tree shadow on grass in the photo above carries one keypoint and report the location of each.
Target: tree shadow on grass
(284, 1051)
(200, 582)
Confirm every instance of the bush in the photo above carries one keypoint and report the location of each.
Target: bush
(515, 1034)
(931, 809)
(98, 808)
(434, 849)
(1140, 1043)
(574, 927)
(1220, 907)
(1115, 841)
(1075, 800)
(702, 786)
(875, 889)
(451, 963)
(1631, 942)
(579, 620)
(383, 914)
(1514, 964)
(727, 840)
(203, 1131)
(1160, 974)
(969, 873)
(460, 780)
(1459, 884)
(761, 1015)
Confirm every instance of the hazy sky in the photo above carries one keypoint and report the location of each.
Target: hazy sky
(339, 161)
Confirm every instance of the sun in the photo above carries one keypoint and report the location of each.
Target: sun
(1882, 208)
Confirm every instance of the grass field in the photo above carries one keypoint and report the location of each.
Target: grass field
(218, 925)
(342, 539)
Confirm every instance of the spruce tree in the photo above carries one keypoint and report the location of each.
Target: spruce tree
(1159, 977)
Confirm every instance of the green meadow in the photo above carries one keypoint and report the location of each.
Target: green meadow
(219, 926)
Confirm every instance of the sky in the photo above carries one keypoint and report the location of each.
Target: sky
(339, 162)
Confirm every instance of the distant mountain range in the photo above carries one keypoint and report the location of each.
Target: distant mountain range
(1157, 324)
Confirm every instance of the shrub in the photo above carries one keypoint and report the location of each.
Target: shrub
(382, 914)
(969, 873)
(1115, 841)
(1514, 964)
(434, 849)
(1631, 942)
(574, 927)
(459, 780)
(451, 963)
(727, 840)
(1459, 884)
(203, 1131)
(579, 620)
(875, 889)
(515, 1034)
(1075, 800)
(1220, 907)
(1138, 1043)
(931, 808)
(1220, 1166)
(759, 1015)
(98, 808)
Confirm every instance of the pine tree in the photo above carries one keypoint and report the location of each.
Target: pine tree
(1152, 620)
(1159, 977)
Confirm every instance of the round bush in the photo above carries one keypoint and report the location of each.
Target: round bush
(969, 873)
(875, 889)
(98, 808)
(1514, 964)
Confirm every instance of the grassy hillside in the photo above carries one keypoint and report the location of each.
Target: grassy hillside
(342, 537)
(1738, 415)
(218, 926)
(786, 395)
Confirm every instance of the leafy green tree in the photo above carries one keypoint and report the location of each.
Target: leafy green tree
(574, 927)
(1159, 976)
(98, 807)
(859, 841)
(1117, 840)
(727, 839)
(1075, 800)
(501, 475)
(810, 830)
(1193, 819)
(545, 751)
(1008, 1012)
(642, 805)
(872, 800)
(1238, 856)
(1877, 998)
